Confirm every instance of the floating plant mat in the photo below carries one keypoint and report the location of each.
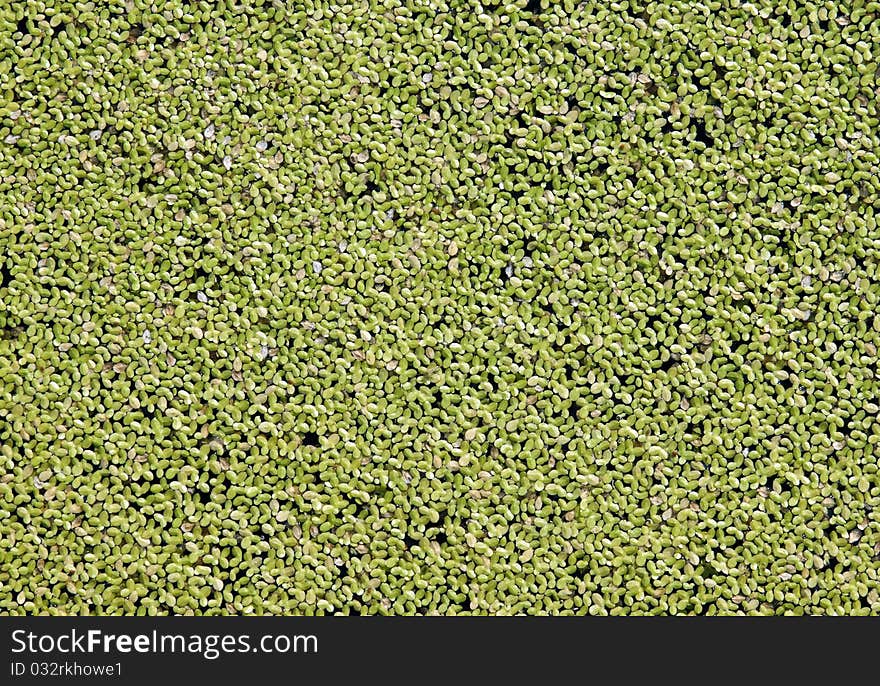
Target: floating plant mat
(439, 307)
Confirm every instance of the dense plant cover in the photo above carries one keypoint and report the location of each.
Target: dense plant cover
(439, 307)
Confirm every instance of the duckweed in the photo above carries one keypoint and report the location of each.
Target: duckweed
(439, 307)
